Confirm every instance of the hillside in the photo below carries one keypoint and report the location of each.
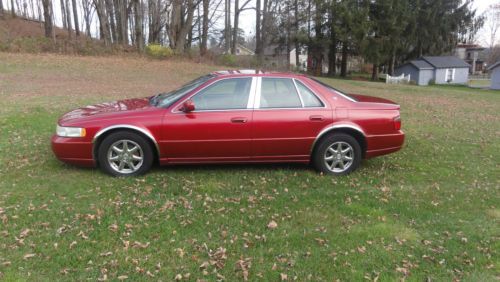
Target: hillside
(12, 28)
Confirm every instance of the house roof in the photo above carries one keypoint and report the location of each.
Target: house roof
(441, 62)
(494, 66)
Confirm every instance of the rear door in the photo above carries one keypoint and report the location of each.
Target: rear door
(287, 118)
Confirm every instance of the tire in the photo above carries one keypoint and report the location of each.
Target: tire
(137, 159)
(326, 158)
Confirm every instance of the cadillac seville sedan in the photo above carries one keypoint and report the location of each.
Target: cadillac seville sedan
(232, 117)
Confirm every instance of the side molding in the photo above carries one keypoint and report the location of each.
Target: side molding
(337, 126)
(127, 126)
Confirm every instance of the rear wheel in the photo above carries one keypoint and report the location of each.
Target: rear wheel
(125, 154)
(337, 154)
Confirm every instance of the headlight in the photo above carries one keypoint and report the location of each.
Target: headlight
(70, 131)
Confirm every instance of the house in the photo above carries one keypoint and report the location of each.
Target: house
(495, 75)
(472, 54)
(440, 70)
(240, 50)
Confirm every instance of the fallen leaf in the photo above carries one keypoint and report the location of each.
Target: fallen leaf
(272, 225)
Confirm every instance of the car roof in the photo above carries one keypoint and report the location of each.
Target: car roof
(254, 72)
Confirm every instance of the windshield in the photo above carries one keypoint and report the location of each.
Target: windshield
(167, 99)
(335, 90)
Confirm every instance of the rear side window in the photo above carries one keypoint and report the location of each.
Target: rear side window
(226, 94)
(308, 98)
(279, 93)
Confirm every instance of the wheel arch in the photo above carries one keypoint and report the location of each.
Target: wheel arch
(103, 133)
(352, 130)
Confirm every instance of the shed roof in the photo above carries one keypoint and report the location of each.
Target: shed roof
(441, 62)
(494, 66)
(421, 64)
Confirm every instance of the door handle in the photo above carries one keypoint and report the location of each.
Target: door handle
(317, 118)
(239, 120)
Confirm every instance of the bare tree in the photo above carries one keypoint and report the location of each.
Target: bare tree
(138, 23)
(100, 8)
(87, 15)
(204, 33)
(68, 17)
(12, 9)
(1, 6)
(75, 17)
(237, 11)
(492, 24)
(47, 16)
(180, 23)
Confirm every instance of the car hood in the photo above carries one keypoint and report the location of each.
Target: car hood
(371, 99)
(109, 108)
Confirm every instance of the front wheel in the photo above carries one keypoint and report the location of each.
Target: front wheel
(337, 154)
(125, 154)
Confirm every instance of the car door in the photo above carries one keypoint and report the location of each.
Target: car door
(287, 118)
(219, 127)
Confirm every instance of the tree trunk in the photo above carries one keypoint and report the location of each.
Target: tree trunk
(12, 9)
(111, 19)
(392, 64)
(63, 14)
(179, 27)
(204, 34)
(258, 38)
(75, 17)
(68, 18)
(332, 57)
(139, 37)
(103, 21)
(345, 55)
(263, 33)
(1, 6)
(47, 16)
(297, 26)
(235, 26)
(227, 29)
(375, 72)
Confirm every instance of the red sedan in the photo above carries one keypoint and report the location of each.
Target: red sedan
(232, 117)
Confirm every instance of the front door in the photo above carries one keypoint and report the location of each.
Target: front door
(287, 119)
(219, 127)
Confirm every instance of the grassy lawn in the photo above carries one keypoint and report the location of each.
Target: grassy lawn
(431, 211)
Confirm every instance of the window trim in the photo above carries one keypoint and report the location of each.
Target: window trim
(251, 96)
(259, 93)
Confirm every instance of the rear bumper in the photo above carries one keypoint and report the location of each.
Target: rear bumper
(378, 145)
(73, 151)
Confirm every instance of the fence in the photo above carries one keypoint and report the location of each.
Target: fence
(402, 79)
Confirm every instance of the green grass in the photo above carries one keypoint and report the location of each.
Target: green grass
(431, 211)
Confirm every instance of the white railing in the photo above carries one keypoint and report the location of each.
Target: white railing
(402, 79)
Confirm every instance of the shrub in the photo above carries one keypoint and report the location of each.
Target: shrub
(432, 82)
(227, 60)
(158, 51)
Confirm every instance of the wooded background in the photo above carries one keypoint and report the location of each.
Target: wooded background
(384, 32)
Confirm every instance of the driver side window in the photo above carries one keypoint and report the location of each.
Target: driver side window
(226, 94)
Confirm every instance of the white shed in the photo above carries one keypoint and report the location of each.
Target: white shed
(495, 75)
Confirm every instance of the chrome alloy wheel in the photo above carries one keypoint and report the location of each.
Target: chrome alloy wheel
(125, 156)
(339, 157)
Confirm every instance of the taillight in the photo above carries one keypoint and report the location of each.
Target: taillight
(397, 123)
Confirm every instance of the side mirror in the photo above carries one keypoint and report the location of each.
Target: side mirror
(188, 106)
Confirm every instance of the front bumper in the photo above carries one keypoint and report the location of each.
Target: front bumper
(73, 151)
